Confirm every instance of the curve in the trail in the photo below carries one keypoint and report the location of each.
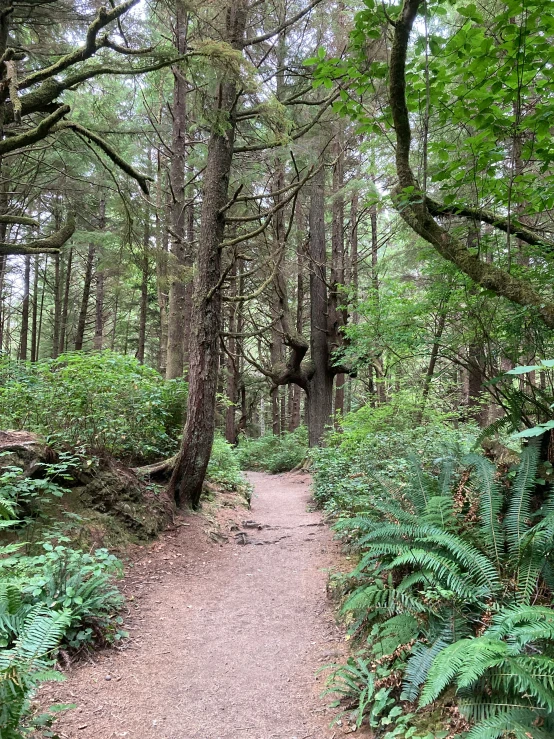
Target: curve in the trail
(228, 638)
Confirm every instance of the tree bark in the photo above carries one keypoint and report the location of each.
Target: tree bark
(57, 306)
(65, 306)
(190, 470)
(99, 311)
(34, 353)
(320, 393)
(82, 322)
(25, 309)
(145, 275)
(177, 314)
(232, 389)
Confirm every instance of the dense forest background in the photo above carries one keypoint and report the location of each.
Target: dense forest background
(291, 225)
(324, 294)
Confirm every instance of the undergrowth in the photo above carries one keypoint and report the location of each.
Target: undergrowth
(449, 605)
(97, 401)
(52, 596)
(274, 453)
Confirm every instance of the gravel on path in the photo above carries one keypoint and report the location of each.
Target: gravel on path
(227, 637)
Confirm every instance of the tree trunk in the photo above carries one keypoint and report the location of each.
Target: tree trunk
(177, 315)
(190, 470)
(34, 353)
(82, 322)
(99, 312)
(431, 366)
(25, 309)
(41, 311)
(57, 306)
(65, 306)
(320, 395)
(232, 389)
(337, 314)
(145, 274)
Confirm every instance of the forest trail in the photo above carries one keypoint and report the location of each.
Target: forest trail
(227, 638)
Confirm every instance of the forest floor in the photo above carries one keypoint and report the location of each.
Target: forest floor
(229, 623)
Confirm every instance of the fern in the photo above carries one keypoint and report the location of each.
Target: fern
(516, 522)
(490, 504)
(517, 722)
(27, 664)
(464, 658)
(422, 487)
(420, 663)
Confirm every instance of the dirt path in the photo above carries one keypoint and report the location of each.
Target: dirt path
(226, 639)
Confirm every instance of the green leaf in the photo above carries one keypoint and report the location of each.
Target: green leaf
(523, 370)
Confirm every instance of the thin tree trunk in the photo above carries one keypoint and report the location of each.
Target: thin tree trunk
(431, 366)
(82, 322)
(190, 470)
(41, 312)
(145, 274)
(232, 388)
(57, 306)
(100, 284)
(65, 306)
(338, 314)
(177, 316)
(320, 396)
(34, 354)
(25, 309)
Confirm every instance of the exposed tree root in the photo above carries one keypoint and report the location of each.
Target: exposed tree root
(161, 470)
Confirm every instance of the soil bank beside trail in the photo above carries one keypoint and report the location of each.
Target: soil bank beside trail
(228, 637)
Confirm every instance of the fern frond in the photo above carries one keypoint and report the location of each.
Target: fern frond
(449, 575)
(516, 522)
(420, 662)
(467, 658)
(492, 429)
(42, 633)
(521, 724)
(421, 487)
(490, 504)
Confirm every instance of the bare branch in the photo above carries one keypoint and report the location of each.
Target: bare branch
(33, 135)
(286, 24)
(49, 245)
(109, 151)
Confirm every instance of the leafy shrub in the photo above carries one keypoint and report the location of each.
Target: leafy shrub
(100, 401)
(58, 597)
(224, 467)
(454, 587)
(274, 453)
(344, 470)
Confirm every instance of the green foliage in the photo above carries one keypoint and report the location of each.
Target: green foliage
(57, 597)
(454, 587)
(29, 497)
(274, 453)
(25, 665)
(345, 470)
(224, 466)
(98, 401)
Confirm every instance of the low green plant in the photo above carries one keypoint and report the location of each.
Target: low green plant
(274, 453)
(344, 470)
(454, 588)
(57, 597)
(224, 467)
(96, 401)
(28, 663)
